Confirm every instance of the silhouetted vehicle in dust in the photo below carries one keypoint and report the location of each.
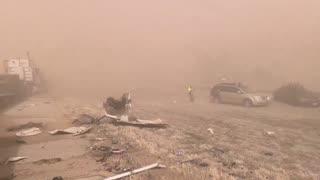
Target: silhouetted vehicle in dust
(296, 95)
(235, 93)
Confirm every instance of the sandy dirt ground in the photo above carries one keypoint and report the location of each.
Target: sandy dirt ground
(239, 146)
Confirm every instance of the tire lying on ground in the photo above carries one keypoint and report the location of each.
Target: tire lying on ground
(296, 94)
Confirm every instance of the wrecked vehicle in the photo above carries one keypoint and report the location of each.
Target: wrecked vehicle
(119, 110)
(296, 94)
(118, 106)
(236, 93)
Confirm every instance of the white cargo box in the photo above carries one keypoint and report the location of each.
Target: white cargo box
(13, 63)
(24, 62)
(20, 67)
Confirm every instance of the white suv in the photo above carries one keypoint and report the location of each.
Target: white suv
(235, 93)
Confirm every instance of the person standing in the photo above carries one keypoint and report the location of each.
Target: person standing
(190, 93)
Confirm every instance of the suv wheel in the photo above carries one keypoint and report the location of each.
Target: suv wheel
(247, 103)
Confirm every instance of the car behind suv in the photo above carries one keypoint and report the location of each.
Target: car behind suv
(235, 93)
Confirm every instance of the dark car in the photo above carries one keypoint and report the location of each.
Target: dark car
(296, 95)
(309, 102)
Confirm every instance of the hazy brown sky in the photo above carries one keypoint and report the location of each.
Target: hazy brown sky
(145, 42)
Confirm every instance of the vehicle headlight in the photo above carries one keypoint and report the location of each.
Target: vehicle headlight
(257, 98)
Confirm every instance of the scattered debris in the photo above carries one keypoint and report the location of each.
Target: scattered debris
(149, 123)
(28, 132)
(121, 176)
(125, 120)
(109, 149)
(47, 161)
(179, 153)
(57, 178)
(102, 148)
(112, 116)
(15, 159)
(116, 168)
(268, 154)
(211, 131)
(99, 139)
(72, 130)
(117, 151)
(25, 126)
(270, 133)
(217, 150)
(197, 162)
(204, 164)
(104, 120)
(19, 141)
(101, 152)
(84, 119)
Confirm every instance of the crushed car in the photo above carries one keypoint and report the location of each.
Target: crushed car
(236, 93)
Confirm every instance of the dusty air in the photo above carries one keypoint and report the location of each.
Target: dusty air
(159, 90)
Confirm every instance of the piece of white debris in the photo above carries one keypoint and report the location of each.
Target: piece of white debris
(15, 159)
(72, 130)
(126, 174)
(211, 131)
(270, 133)
(28, 132)
(99, 139)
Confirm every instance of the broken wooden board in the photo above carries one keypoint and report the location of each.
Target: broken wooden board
(126, 174)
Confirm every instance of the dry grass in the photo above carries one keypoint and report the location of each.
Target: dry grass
(239, 148)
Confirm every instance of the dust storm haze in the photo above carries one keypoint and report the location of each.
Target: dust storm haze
(97, 46)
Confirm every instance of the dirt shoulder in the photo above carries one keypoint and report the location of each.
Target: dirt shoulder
(69, 152)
